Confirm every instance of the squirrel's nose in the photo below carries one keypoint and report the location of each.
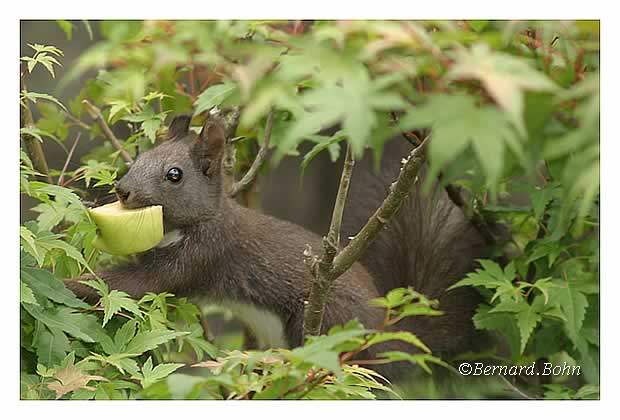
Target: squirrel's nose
(122, 193)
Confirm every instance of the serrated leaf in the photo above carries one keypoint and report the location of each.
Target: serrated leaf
(114, 301)
(62, 319)
(148, 340)
(26, 295)
(421, 360)
(151, 375)
(527, 321)
(28, 242)
(125, 333)
(52, 345)
(213, 96)
(323, 143)
(502, 322)
(573, 304)
(405, 336)
(505, 77)
(150, 128)
(34, 96)
(45, 284)
(71, 379)
(457, 122)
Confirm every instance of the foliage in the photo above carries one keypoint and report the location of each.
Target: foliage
(513, 108)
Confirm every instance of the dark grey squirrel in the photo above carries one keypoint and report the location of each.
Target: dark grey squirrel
(217, 249)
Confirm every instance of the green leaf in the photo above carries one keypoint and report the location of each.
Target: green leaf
(527, 321)
(29, 244)
(502, 322)
(405, 336)
(151, 375)
(213, 96)
(457, 122)
(37, 133)
(42, 191)
(45, 284)
(490, 277)
(319, 351)
(150, 128)
(34, 96)
(125, 333)
(118, 107)
(418, 359)
(148, 340)
(62, 319)
(52, 345)
(330, 144)
(505, 77)
(26, 295)
(116, 300)
(573, 304)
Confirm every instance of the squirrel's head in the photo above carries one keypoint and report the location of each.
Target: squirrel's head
(183, 174)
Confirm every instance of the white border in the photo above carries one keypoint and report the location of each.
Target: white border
(262, 9)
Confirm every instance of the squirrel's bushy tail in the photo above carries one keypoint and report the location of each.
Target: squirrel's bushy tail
(429, 245)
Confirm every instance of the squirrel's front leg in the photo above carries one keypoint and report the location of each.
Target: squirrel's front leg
(136, 283)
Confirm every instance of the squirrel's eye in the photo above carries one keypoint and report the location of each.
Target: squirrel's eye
(174, 174)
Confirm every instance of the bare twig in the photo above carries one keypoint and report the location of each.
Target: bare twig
(95, 113)
(321, 269)
(250, 176)
(64, 168)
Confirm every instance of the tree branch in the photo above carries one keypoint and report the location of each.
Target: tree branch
(320, 269)
(399, 190)
(250, 176)
(332, 263)
(95, 113)
(34, 149)
(231, 121)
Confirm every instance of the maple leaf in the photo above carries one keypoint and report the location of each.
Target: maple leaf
(504, 77)
(71, 379)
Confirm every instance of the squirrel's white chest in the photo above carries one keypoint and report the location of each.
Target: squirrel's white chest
(265, 325)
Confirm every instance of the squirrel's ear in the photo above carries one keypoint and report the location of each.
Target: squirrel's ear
(209, 145)
(179, 127)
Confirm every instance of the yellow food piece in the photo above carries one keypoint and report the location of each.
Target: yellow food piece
(127, 231)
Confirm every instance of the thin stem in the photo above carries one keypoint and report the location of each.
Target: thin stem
(95, 113)
(250, 176)
(399, 191)
(313, 317)
(64, 168)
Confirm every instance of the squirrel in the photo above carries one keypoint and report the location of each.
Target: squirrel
(253, 263)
